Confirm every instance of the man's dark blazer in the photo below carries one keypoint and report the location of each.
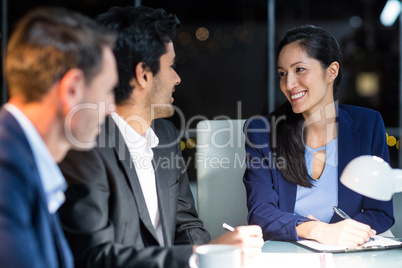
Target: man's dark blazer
(29, 235)
(105, 217)
(271, 198)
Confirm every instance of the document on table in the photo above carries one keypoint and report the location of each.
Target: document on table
(379, 243)
(292, 260)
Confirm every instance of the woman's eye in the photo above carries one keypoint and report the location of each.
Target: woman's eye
(299, 69)
(281, 74)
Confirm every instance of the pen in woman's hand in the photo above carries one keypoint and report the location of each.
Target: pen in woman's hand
(345, 216)
(340, 213)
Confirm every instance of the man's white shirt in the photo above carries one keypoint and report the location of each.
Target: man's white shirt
(140, 149)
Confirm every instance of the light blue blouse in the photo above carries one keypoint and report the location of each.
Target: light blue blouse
(319, 200)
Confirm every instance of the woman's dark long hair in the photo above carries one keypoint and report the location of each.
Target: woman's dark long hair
(318, 44)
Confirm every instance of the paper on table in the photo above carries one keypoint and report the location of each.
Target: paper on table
(292, 260)
(379, 242)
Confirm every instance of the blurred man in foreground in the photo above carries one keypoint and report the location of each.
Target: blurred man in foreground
(57, 64)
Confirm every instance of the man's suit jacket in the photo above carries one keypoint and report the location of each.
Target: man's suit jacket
(105, 217)
(271, 198)
(29, 235)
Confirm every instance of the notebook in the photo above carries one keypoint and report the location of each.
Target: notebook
(379, 243)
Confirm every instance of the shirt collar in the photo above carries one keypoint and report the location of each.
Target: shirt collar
(132, 137)
(52, 180)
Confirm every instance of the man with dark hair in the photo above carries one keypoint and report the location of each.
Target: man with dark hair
(60, 71)
(129, 202)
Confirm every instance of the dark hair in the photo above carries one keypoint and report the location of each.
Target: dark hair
(48, 42)
(318, 44)
(143, 33)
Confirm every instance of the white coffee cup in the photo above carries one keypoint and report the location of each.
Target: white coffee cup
(216, 256)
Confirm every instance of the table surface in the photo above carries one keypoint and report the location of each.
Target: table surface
(391, 258)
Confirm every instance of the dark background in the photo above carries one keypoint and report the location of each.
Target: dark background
(231, 65)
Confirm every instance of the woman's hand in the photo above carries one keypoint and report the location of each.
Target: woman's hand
(349, 233)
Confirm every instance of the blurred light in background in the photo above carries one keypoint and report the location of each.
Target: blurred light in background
(355, 21)
(390, 13)
(392, 141)
(190, 143)
(202, 34)
(367, 84)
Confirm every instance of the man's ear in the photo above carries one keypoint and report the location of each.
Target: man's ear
(143, 75)
(71, 89)
(332, 71)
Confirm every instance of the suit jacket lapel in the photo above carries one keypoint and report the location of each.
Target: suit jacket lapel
(117, 142)
(63, 252)
(348, 149)
(163, 195)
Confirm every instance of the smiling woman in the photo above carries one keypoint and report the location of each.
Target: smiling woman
(310, 71)
(316, 137)
(302, 80)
